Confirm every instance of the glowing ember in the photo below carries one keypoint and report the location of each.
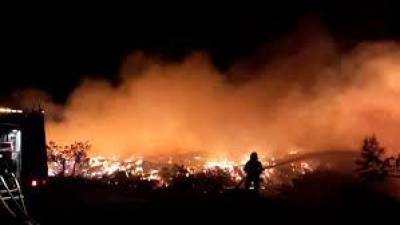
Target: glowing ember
(224, 164)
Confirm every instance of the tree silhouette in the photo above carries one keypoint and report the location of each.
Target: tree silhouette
(398, 165)
(79, 155)
(56, 154)
(371, 166)
(63, 155)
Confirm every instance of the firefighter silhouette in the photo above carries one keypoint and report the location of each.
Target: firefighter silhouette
(253, 169)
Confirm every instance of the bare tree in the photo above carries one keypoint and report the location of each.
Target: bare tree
(63, 155)
(398, 164)
(79, 155)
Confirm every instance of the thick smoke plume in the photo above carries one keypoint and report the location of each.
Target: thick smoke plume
(301, 93)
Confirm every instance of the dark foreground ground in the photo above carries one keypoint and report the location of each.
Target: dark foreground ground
(76, 202)
(317, 199)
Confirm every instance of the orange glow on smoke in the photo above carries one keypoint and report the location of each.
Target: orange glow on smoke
(314, 98)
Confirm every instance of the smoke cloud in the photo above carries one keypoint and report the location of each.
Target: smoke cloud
(299, 93)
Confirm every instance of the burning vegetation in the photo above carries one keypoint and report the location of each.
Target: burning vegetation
(201, 174)
(73, 161)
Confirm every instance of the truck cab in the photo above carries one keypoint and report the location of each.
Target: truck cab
(23, 146)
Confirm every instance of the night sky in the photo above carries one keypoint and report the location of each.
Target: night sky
(52, 50)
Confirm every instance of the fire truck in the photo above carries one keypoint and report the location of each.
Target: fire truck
(23, 159)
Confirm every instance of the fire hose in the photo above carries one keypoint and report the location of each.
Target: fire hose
(303, 157)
